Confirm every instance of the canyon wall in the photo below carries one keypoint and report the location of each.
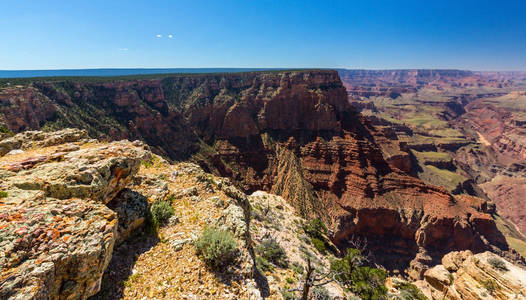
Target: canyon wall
(460, 130)
(292, 133)
(499, 161)
(396, 82)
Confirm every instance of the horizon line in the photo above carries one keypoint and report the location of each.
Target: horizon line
(259, 68)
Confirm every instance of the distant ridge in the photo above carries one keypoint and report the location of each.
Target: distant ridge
(119, 72)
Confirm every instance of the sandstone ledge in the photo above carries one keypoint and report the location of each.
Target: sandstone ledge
(56, 233)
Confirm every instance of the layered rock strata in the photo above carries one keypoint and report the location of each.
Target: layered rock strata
(463, 275)
(292, 133)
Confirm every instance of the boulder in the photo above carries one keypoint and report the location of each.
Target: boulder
(56, 233)
(438, 277)
(453, 260)
(98, 172)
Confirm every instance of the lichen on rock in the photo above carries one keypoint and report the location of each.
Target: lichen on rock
(57, 234)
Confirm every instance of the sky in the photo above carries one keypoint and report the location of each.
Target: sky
(69, 34)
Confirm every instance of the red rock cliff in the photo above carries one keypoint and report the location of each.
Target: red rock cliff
(295, 134)
(292, 133)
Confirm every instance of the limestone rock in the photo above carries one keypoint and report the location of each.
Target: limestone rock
(178, 244)
(453, 260)
(98, 173)
(31, 139)
(53, 248)
(438, 277)
(155, 188)
(236, 216)
(189, 192)
(475, 277)
(56, 233)
(131, 208)
(173, 220)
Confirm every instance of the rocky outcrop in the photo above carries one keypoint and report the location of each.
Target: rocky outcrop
(57, 234)
(164, 264)
(38, 139)
(131, 208)
(463, 275)
(273, 217)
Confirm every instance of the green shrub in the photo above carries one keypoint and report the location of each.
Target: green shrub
(345, 266)
(154, 162)
(289, 280)
(160, 212)
(286, 294)
(5, 130)
(369, 282)
(170, 198)
(3, 194)
(320, 293)
(316, 229)
(297, 268)
(490, 286)
(263, 265)
(271, 251)
(319, 245)
(498, 264)
(409, 291)
(217, 248)
(365, 281)
(147, 163)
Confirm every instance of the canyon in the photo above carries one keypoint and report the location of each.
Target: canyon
(468, 138)
(392, 157)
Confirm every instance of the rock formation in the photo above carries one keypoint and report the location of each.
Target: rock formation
(393, 83)
(463, 275)
(465, 132)
(72, 208)
(292, 133)
(57, 234)
(498, 163)
(301, 139)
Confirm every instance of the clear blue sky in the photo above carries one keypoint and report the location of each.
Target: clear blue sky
(477, 35)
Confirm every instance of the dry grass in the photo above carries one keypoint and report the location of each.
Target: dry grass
(162, 272)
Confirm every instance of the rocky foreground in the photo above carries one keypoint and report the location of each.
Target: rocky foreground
(463, 275)
(57, 232)
(73, 222)
(72, 206)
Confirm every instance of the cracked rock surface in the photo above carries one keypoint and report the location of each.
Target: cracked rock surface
(56, 233)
